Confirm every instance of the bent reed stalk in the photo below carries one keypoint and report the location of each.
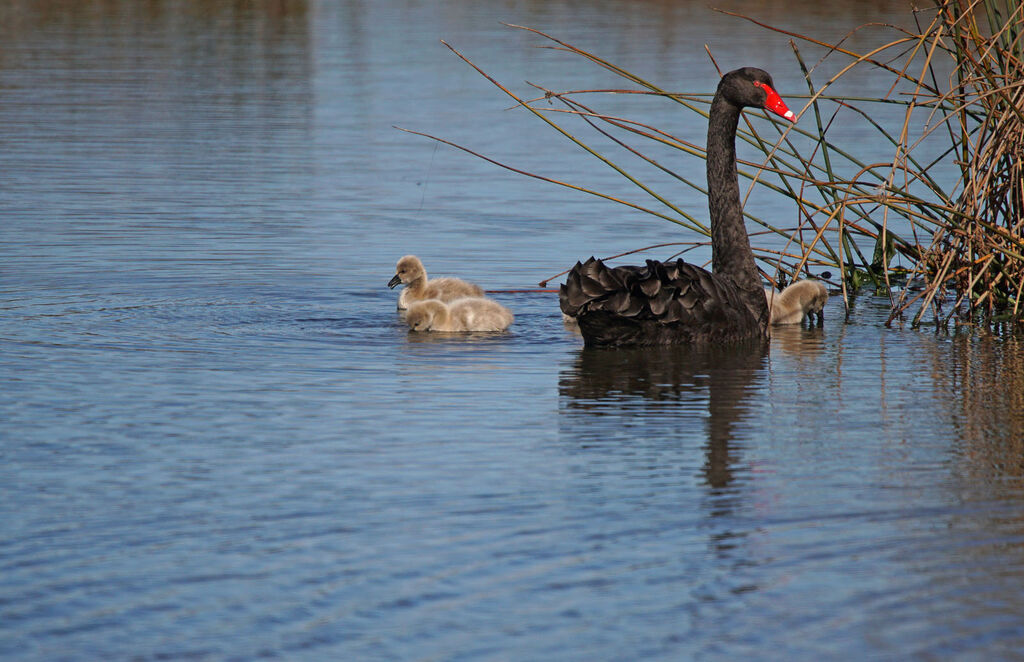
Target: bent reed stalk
(937, 227)
(963, 72)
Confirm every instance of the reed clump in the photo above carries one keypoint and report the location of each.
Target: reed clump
(962, 71)
(978, 252)
(936, 226)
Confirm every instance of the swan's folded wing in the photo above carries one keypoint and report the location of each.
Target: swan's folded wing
(673, 292)
(649, 287)
(655, 304)
(592, 281)
(659, 303)
(612, 279)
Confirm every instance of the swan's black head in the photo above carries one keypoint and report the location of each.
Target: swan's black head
(750, 86)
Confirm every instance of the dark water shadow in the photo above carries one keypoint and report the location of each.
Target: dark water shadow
(711, 384)
(672, 401)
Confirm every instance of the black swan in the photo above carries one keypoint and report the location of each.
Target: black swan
(803, 298)
(676, 302)
(410, 272)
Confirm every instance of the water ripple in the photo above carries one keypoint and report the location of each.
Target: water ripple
(218, 440)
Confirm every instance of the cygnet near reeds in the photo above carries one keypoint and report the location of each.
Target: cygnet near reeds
(410, 272)
(467, 314)
(791, 305)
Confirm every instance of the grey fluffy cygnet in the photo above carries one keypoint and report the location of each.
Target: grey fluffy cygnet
(466, 314)
(802, 298)
(410, 272)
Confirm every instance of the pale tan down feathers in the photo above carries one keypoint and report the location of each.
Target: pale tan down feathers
(467, 314)
(791, 305)
(410, 272)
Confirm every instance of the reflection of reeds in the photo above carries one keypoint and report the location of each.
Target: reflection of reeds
(985, 384)
(958, 81)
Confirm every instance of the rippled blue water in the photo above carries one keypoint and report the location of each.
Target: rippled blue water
(218, 440)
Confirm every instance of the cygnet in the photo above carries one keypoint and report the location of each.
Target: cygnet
(410, 272)
(467, 314)
(791, 305)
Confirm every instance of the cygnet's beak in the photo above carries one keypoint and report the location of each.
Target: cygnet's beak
(394, 281)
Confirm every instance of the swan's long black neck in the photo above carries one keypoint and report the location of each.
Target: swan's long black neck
(730, 246)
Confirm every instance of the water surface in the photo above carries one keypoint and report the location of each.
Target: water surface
(219, 441)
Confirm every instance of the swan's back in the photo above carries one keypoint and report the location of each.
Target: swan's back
(657, 304)
(440, 289)
(450, 289)
(480, 314)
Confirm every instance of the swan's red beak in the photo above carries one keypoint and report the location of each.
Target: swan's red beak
(774, 103)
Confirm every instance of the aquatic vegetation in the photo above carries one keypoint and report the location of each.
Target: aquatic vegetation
(936, 226)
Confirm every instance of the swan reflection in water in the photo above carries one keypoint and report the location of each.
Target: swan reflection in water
(798, 343)
(649, 412)
(711, 385)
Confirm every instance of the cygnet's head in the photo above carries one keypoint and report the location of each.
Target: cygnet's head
(409, 268)
(421, 315)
